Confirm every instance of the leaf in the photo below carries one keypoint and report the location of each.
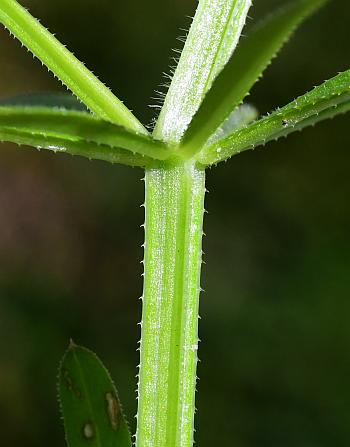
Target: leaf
(98, 98)
(89, 402)
(240, 117)
(48, 99)
(325, 101)
(242, 71)
(78, 126)
(92, 151)
(212, 38)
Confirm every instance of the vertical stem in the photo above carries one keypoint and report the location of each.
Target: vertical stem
(169, 341)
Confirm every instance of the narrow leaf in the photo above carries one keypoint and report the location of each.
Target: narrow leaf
(98, 98)
(242, 71)
(240, 117)
(86, 149)
(89, 402)
(46, 99)
(78, 126)
(325, 101)
(212, 38)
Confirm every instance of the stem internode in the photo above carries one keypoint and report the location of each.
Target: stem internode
(169, 340)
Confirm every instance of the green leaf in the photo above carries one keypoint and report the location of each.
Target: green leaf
(89, 402)
(78, 126)
(242, 71)
(212, 38)
(240, 117)
(92, 151)
(325, 101)
(98, 98)
(47, 99)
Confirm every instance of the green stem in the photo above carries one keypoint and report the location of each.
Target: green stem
(169, 341)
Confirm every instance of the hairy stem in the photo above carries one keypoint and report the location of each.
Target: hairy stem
(169, 341)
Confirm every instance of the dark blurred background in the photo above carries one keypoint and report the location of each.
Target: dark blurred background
(275, 332)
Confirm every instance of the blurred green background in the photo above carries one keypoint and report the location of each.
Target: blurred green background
(275, 368)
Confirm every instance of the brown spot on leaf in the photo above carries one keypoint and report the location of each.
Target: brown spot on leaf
(112, 410)
(89, 430)
(70, 385)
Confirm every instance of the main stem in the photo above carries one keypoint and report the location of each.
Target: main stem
(169, 335)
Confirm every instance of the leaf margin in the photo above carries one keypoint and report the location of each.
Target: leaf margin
(80, 126)
(63, 64)
(322, 102)
(282, 23)
(66, 383)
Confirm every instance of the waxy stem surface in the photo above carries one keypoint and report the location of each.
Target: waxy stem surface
(169, 341)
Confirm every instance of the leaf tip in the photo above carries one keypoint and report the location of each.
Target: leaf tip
(72, 345)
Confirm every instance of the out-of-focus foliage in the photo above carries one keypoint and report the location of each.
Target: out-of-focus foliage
(275, 314)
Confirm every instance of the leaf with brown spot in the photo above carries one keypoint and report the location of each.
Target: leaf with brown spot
(89, 402)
